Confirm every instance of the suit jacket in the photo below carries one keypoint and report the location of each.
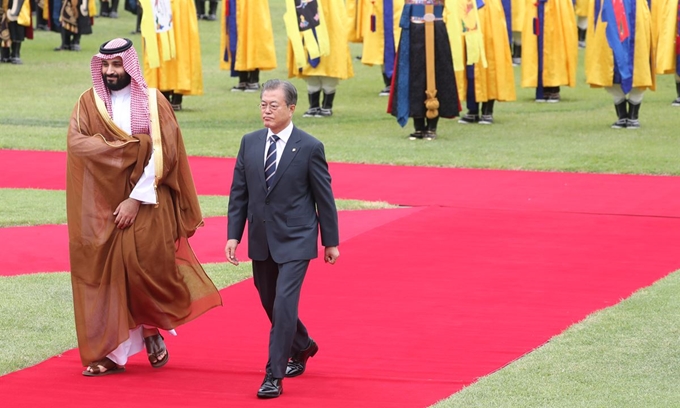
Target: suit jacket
(285, 220)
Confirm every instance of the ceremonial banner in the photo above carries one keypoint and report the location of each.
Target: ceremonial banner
(306, 30)
(157, 32)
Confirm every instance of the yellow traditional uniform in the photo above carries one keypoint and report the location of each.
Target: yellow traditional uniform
(377, 48)
(355, 23)
(496, 81)
(626, 82)
(337, 63)
(518, 11)
(581, 8)
(665, 26)
(374, 39)
(180, 73)
(326, 44)
(600, 59)
(560, 47)
(255, 37)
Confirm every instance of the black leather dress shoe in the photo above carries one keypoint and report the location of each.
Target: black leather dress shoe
(271, 387)
(297, 364)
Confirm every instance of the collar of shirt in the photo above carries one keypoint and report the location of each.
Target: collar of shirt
(283, 135)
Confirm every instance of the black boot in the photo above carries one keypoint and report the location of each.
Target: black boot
(168, 95)
(15, 57)
(41, 23)
(472, 116)
(105, 8)
(419, 125)
(254, 76)
(622, 114)
(242, 82)
(551, 94)
(388, 82)
(676, 102)
(4, 54)
(253, 80)
(65, 40)
(314, 107)
(633, 111)
(581, 38)
(176, 101)
(200, 9)
(212, 12)
(431, 132)
(138, 26)
(113, 12)
(75, 44)
(487, 112)
(327, 107)
(516, 54)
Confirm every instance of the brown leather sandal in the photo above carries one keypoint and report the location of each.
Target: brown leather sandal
(102, 367)
(155, 348)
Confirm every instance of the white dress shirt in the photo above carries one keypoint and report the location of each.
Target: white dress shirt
(284, 135)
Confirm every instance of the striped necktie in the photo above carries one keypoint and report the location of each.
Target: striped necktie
(270, 161)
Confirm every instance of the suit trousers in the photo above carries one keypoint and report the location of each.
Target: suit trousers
(279, 287)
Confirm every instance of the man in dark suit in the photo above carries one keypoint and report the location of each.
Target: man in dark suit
(282, 187)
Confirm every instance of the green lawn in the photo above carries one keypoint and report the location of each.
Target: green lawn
(20, 207)
(623, 356)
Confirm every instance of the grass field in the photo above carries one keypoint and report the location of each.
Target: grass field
(624, 356)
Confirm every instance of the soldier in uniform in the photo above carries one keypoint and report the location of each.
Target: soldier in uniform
(15, 27)
(424, 83)
(318, 51)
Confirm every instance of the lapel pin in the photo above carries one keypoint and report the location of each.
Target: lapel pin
(294, 149)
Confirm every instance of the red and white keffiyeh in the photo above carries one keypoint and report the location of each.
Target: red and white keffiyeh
(139, 100)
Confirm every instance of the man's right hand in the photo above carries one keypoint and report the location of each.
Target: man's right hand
(230, 250)
(126, 213)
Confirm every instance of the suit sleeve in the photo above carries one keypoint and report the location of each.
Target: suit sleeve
(320, 181)
(238, 199)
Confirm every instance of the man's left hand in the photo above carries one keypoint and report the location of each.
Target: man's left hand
(331, 254)
(126, 212)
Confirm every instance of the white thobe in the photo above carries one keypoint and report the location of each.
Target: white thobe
(120, 106)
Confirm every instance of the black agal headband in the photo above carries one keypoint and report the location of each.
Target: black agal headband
(117, 50)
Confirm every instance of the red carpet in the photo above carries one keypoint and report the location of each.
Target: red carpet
(44, 248)
(48, 169)
(422, 302)
(411, 186)
(401, 322)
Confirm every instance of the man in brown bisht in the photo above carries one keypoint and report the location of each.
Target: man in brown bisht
(132, 206)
